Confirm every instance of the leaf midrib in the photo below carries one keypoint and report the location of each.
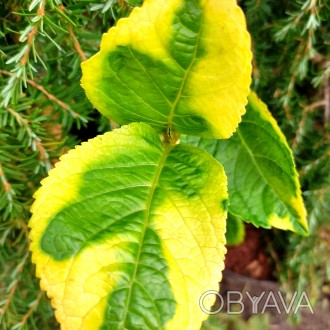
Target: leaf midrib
(154, 183)
(185, 77)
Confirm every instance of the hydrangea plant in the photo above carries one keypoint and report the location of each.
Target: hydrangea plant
(128, 230)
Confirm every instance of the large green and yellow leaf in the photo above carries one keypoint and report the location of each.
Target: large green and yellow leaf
(184, 64)
(262, 180)
(128, 232)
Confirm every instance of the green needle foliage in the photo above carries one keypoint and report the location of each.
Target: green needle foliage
(44, 112)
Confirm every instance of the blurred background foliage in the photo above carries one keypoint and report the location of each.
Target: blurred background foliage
(44, 112)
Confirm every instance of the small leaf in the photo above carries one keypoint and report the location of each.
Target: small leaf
(235, 232)
(263, 182)
(180, 64)
(128, 232)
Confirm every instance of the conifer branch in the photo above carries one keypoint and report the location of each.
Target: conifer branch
(35, 140)
(306, 110)
(22, 122)
(9, 298)
(49, 96)
(32, 34)
(309, 22)
(13, 287)
(7, 186)
(31, 309)
(76, 44)
(21, 59)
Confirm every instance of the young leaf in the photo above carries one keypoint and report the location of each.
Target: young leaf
(128, 232)
(235, 230)
(262, 179)
(184, 64)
